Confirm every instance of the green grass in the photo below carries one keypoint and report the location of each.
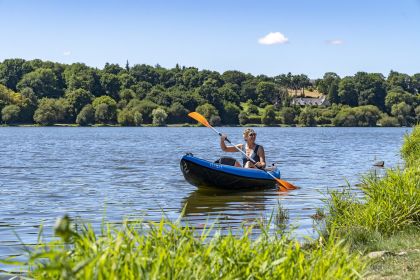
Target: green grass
(167, 250)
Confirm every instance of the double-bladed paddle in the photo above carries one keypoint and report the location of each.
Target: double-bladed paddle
(284, 185)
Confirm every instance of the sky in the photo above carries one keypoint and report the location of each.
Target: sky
(258, 37)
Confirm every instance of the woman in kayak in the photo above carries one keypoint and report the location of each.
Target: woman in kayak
(252, 150)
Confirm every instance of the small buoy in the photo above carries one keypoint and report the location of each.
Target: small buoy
(379, 163)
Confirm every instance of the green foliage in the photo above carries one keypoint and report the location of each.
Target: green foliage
(243, 118)
(402, 112)
(130, 117)
(230, 112)
(192, 88)
(391, 204)
(410, 150)
(86, 116)
(51, 111)
(78, 99)
(145, 107)
(159, 116)
(169, 250)
(207, 110)
(177, 113)
(288, 115)
(359, 116)
(10, 114)
(11, 71)
(269, 115)
(387, 121)
(43, 82)
(307, 117)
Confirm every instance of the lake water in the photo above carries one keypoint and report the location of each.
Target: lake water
(116, 173)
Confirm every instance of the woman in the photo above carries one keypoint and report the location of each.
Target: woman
(251, 149)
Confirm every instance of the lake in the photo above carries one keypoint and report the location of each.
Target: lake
(116, 173)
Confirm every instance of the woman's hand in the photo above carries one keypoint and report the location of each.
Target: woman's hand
(223, 137)
(259, 165)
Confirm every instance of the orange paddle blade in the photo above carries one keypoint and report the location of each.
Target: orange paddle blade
(200, 118)
(286, 184)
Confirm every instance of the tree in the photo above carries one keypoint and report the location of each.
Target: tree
(51, 111)
(398, 95)
(243, 118)
(86, 116)
(402, 112)
(307, 117)
(110, 85)
(403, 81)
(78, 75)
(105, 109)
(145, 73)
(11, 71)
(177, 113)
(208, 111)
(269, 115)
(43, 82)
(288, 115)
(371, 89)
(233, 77)
(10, 114)
(77, 99)
(229, 114)
(159, 116)
(347, 91)
(130, 117)
(145, 107)
(266, 92)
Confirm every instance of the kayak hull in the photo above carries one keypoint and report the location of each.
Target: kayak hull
(202, 173)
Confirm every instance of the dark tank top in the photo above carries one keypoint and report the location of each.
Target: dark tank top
(254, 154)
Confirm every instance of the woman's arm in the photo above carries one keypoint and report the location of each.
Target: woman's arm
(261, 154)
(225, 148)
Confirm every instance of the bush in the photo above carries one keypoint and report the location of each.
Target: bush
(387, 121)
(129, 117)
(10, 114)
(51, 111)
(86, 116)
(269, 115)
(288, 115)
(159, 117)
(307, 117)
(243, 118)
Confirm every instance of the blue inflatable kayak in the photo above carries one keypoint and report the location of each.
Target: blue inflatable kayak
(199, 172)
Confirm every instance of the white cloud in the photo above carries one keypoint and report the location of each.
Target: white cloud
(273, 38)
(335, 42)
(67, 53)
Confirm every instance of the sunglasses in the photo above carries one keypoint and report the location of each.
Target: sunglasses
(253, 134)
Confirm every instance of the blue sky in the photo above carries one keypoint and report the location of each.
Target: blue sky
(310, 37)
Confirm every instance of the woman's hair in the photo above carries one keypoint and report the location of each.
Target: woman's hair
(247, 131)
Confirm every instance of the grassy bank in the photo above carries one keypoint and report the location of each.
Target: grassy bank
(167, 250)
(387, 219)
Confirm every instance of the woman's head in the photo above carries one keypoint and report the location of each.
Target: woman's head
(249, 132)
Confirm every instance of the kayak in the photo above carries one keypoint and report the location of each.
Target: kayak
(203, 173)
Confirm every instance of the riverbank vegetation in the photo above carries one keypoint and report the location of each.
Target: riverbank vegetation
(46, 93)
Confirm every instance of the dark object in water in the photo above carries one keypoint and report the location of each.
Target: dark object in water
(379, 163)
(203, 173)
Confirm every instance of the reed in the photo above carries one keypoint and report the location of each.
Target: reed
(169, 250)
(391, 204)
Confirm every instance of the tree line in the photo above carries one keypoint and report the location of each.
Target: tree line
(46, 93)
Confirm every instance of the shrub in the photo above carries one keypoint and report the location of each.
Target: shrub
(10, 114)
(86, 116)
(159, 116)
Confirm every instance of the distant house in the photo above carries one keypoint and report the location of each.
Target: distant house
(305, 101)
